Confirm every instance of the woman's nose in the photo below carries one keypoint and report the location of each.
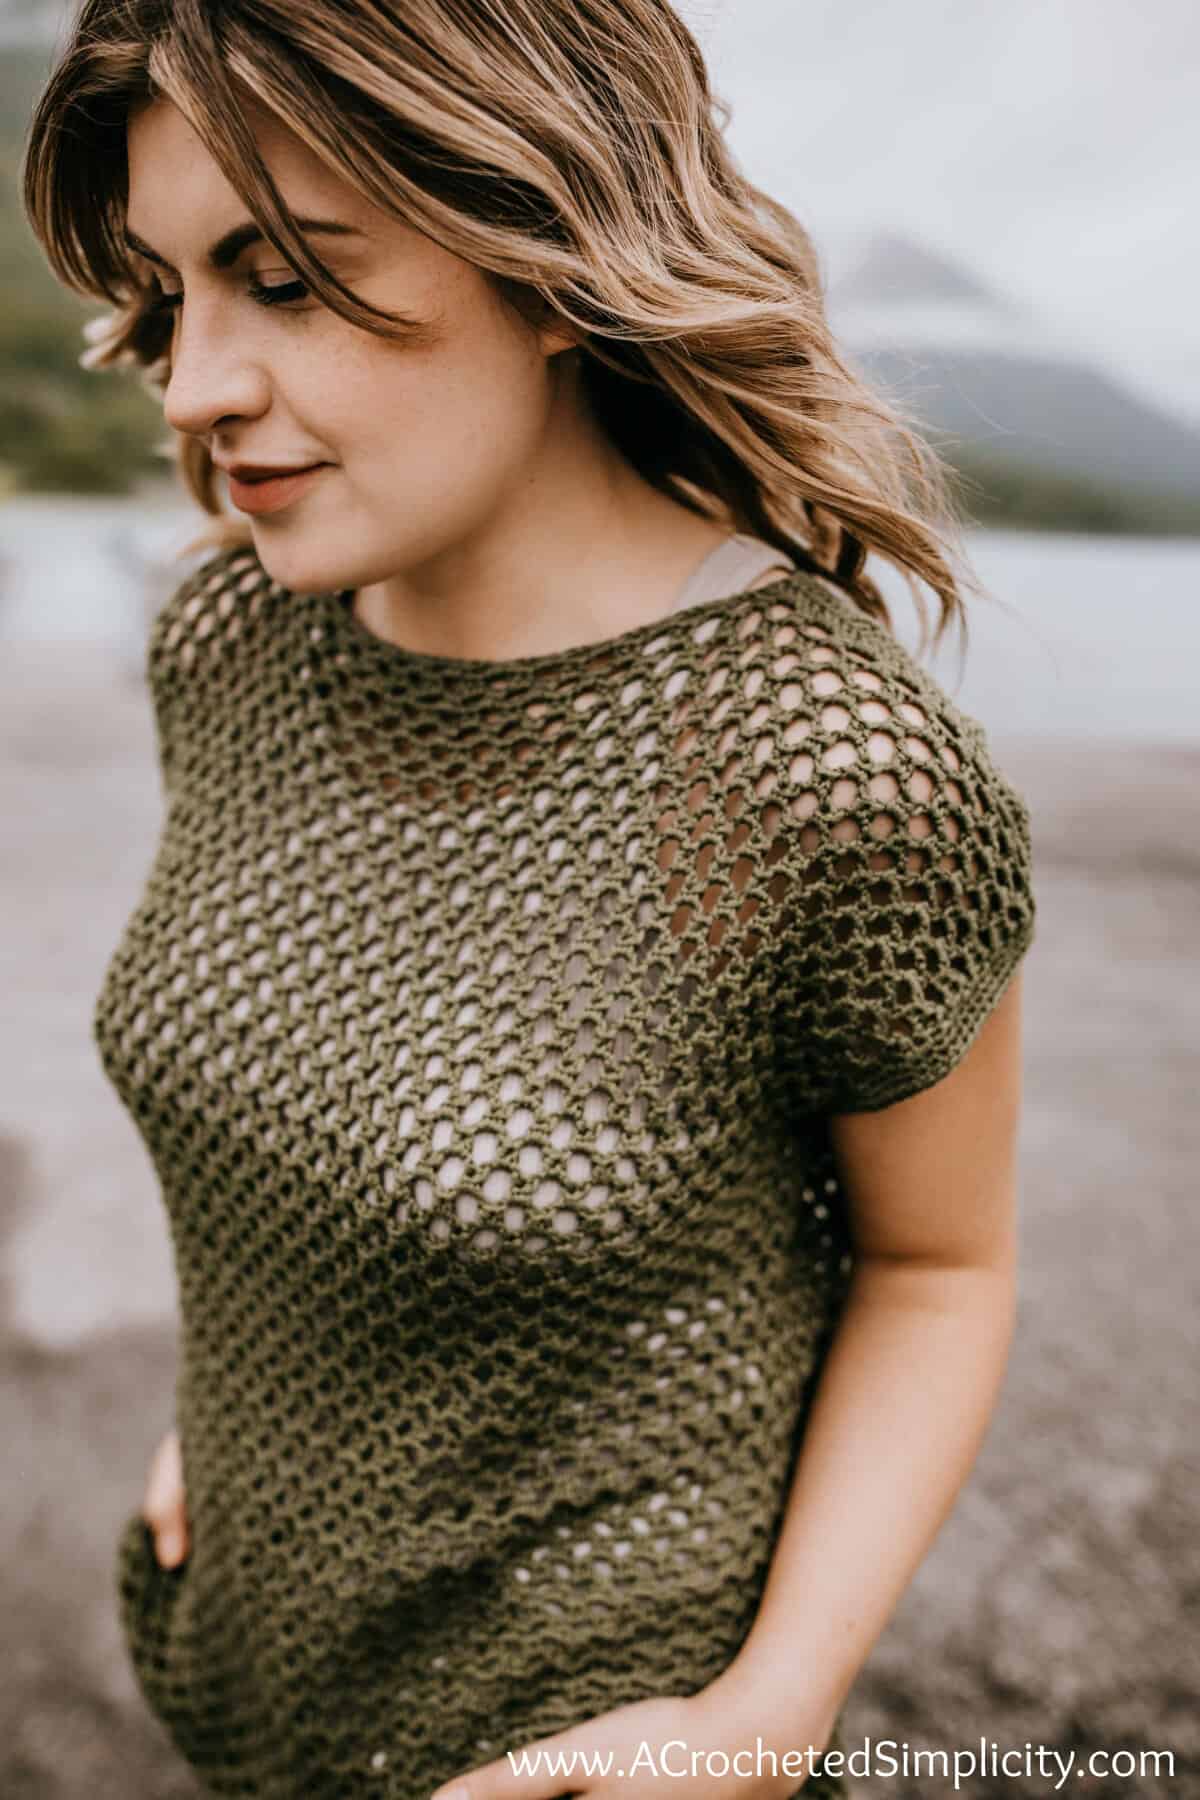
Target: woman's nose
(211, 375)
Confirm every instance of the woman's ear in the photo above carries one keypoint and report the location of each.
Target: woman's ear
(559, 335)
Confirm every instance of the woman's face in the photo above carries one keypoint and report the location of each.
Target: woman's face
(424, 444)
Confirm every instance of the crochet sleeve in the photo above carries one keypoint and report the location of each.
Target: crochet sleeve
(182, 630)
(904, 893)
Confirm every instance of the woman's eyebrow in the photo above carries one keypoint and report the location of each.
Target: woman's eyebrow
(227, 249)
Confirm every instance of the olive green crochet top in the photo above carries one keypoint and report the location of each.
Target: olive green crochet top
(483, 1021)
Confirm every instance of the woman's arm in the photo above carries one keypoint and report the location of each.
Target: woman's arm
(908, 1386)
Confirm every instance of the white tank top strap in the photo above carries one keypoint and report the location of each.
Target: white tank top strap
(731, 568)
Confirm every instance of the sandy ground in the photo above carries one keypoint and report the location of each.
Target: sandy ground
(1058, 1605)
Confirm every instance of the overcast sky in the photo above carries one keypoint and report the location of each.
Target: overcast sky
(1055, 144)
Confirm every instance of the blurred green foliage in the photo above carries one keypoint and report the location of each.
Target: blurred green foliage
(64, 428)
(1004, 493)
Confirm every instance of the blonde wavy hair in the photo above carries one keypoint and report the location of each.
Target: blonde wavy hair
(574, 152)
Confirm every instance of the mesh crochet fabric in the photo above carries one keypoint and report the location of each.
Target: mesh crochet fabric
(483, 1021)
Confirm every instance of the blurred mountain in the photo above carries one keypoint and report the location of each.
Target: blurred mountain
(990, 380)
(903, 271)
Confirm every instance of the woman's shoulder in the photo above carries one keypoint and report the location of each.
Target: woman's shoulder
(858, 718)
(868, 658)
(901, 868)
(199, 613)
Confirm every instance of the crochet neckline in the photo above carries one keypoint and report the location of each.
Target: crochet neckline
(483, 670)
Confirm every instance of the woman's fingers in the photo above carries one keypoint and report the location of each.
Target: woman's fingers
(164, 1507)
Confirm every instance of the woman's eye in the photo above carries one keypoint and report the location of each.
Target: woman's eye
(281, 292)
(264, 293)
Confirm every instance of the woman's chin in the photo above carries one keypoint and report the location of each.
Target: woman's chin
(302, 574)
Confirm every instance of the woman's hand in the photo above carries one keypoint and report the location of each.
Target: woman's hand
(165, 1503)
(620, 1755)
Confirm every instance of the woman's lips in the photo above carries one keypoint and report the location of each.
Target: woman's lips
(275, 492)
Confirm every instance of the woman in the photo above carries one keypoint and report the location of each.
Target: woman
(574, 1007)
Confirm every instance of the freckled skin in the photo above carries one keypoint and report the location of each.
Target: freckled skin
(473, 502)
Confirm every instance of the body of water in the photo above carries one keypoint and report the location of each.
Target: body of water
(1087, 637)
